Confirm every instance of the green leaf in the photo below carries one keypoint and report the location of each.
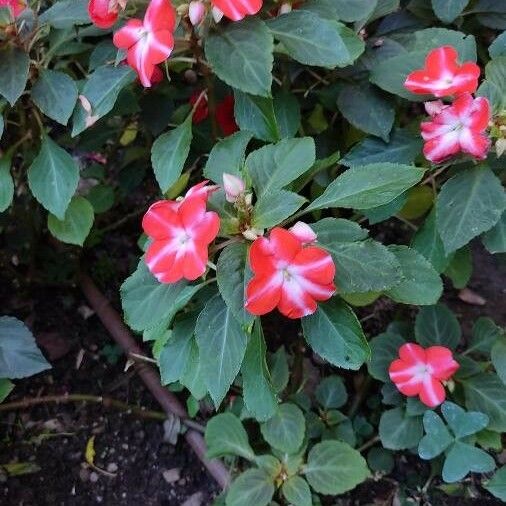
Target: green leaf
(463, 459)
(384, 350)
(101, 89)
(256, 114)
(312, 40)
(368, 186)
(336, 230)
(495, 239)
(273, 207)
(223, 342)
(233, 274)
(241, 55)
(379, 459)
(398, 431)
(494, 87)
(334, 467)
(275, 166)
(485, 335)
(437, 437)
(498, 357)
(287, 112)
(257, 388)
(331, 392)
(427, 242)
(14, 66)
(498, 47)
(448, 10)
(6, 388)
(430, 38)
(285, 430)
(421, 284)
(101, 198)
(6, 183)
(485, 393)
(335, 334)
(2, 126)
(463, 423)
(175, 354)
(354, 11)
(227, 156)
(460, 268)
(437, 325)
(403, 148)
(53, 177)
(469, 203)
(77, 223)
(363, 266)
(66, 13)
(192, 377)
(19, 355)
(497, 485)
(296, 491)
(55, 93)
(280, 373)
(169, 153)
(225, 435)
(146, 301)
(254, 487)
(366, 109)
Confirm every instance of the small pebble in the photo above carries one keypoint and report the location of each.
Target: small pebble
(194, 500)
(112, 467)
(93, 477)
(171, 475)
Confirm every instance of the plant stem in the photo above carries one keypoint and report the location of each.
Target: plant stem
(369, 443)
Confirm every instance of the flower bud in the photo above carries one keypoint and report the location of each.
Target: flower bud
(233, 187)
(434, 107)
(252, 234)
(217, 14)
(285, 8)
(196, 12)
(303, 232)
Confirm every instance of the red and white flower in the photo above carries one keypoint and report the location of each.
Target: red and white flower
(181, 232)
(288, 275)
(460, 127)
(420, 372)
(237, 9)
(104, 13)
(443, 76)
(16, 6)
(150, 41)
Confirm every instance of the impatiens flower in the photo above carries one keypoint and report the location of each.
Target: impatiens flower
(443, 76)
(150, 41)
(16, 6)
(196, 12)
(237, 9)
(225, 116)
(104, 13)
(303, 232)
(181, 233)
(457, 127)
(233, 186)
(288, 275)
(420, 371)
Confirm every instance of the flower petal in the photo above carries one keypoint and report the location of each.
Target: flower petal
(237, 9)
(160, 221)
(315, 264)
(263, 293)
(160, 256)
(160, 15)
(129, 34)
(412, 354)
(432, 392)
(295, 302)
(284, 244)
(441, 362)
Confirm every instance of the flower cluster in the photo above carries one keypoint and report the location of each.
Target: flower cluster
(457, 127)
(289, 271)
(421, 372)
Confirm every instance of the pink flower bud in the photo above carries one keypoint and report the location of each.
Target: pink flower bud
(217, 14)
(233, 187)
(285, 8)
(196, 12)
(303, 232)
(434, 107)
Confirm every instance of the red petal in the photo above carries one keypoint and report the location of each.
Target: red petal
(191, 211)
(441, 62)
(160, 45)
(225, 116)
(206, 230)
(466, 79)
(432, 393)
(419, 82)
(101, 14)
(261, 257)
(137, 59)
(295, 302)
(127, 36)
(480, 114)
(440, 360)
(195, 261)
(284, 244)
(160, 256)
(160, 221)
(160, 15)
(238, 9)
(441, 148)
(263, 293)
(412, 354)
(475, 144)
(315, 264)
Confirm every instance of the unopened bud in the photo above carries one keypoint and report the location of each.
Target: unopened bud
(252, 233)
(217, 14)
(233, 187)
(285, 8)
(196, 12)
(434, 107)
(303, 232)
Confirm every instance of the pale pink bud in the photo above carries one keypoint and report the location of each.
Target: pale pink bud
(285, 8)
(434, 107)
(233, 187)
(252, 233)
(217, 14)
(303, 232)
(86, 105)
(196, 12)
